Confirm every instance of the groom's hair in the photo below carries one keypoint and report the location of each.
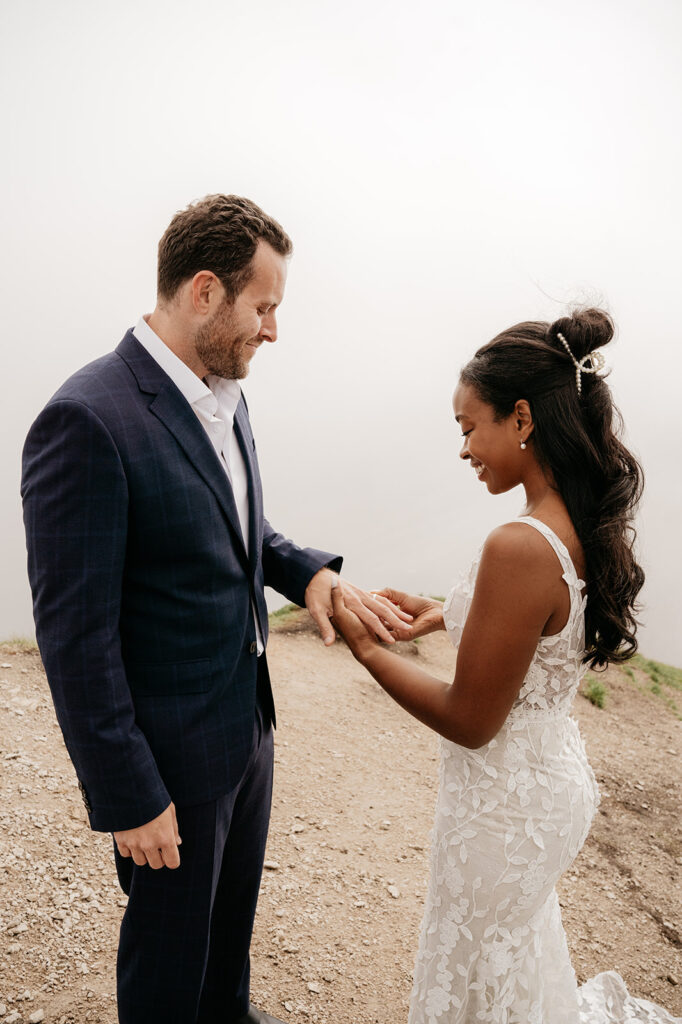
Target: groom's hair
(218, 233)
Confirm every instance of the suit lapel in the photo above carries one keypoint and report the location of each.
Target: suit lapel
(172, 409)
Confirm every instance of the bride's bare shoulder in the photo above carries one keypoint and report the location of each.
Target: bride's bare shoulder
(513, 537)
(518, 546)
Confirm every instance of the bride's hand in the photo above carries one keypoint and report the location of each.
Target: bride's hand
(351, 628)
(426, 612)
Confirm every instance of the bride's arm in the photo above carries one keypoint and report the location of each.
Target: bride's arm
(517, 590)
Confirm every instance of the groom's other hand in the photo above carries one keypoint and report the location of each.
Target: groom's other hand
(380, 618)
(155, 843)
(426, 612)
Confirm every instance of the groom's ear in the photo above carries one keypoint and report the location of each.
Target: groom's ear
(206, 292)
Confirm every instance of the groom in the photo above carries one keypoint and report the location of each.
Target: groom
(148, 554)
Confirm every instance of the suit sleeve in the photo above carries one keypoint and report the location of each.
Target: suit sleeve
(75, 499)
(289, 569)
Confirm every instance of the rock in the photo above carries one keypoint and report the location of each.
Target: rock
(313, 986)
(13, 1018)
(394, 891)
(271, 865)
(36, 1017)
(672, 979)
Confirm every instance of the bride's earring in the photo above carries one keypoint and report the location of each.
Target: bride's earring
(523, 446)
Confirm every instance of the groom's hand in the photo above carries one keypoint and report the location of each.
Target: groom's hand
(155, 843)
(380, 618)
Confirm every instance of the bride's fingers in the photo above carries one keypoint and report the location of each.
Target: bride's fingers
(342, 619)
(338, 604)
(394, 597)
(404, 628)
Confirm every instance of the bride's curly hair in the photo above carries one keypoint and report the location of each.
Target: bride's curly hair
(576, 437)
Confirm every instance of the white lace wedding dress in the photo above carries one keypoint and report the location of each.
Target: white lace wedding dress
(510, 818)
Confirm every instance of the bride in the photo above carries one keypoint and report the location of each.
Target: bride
(548, 595)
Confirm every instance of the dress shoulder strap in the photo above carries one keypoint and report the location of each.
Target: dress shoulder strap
(558, 545)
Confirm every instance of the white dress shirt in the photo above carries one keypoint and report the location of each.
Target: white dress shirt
(215, 404)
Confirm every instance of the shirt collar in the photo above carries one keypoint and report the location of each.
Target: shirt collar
(228, 394)
(185, 380)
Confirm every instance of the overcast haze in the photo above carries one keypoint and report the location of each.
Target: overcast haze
(444, 169)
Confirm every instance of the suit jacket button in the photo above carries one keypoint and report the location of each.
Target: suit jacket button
(86, 802)
(253, 648)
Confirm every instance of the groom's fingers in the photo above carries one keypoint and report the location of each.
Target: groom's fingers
(337, 600)
(154, 843)
(393, 599)
(325, 627)
(367, 616)
(318, 601)
(388, 611)
(174, 819)
(346, 618)
(383, 613)
(320, 614)
(155, 859)
(391, 603)
(171, 856)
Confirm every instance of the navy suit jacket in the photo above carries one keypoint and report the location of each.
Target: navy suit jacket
(143, 590)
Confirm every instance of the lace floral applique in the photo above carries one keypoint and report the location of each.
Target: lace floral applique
(510, 818)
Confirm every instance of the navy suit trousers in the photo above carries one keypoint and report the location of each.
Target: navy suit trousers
(183, 954)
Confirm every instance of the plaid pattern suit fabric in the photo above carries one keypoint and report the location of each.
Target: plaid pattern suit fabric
(143, 591)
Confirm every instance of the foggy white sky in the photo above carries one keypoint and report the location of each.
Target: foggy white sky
(444, 169)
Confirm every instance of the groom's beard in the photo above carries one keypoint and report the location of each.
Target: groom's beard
(221, 347)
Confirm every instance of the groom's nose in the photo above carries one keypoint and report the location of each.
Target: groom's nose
(268, 327)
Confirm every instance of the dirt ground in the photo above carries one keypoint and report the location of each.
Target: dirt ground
(346, 865)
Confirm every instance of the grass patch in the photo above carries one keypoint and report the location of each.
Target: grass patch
(662, 681)
(594, 691)
(283, 613)
(658, 672)
(20, 644)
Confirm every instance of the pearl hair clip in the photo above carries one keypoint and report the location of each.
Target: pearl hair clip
(595, 359)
